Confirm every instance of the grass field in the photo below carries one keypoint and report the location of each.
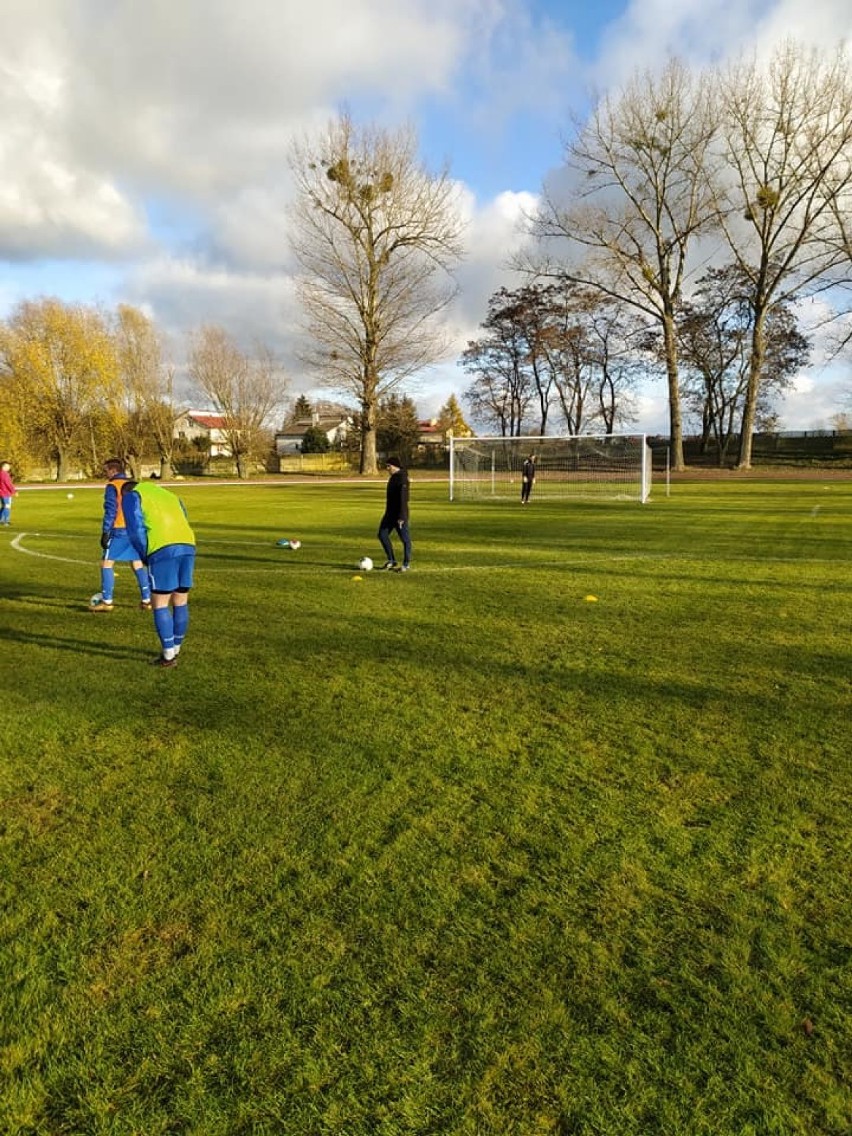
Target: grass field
(457, 852)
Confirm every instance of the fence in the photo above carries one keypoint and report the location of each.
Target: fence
(800, 447)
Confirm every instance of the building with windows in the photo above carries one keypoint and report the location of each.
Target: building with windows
(334, 423)
(207, 424)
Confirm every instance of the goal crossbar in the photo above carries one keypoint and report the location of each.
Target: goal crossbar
(585, 465)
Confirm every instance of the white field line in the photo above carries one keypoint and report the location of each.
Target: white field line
(582, 558)
(18, 547)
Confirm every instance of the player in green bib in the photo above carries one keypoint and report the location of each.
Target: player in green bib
(158, 529)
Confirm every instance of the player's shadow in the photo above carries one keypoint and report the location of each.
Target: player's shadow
(76, 646)
(41, 602)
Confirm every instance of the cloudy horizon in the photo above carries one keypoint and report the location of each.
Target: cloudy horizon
(145, 161)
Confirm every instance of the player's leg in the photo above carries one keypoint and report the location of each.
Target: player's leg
(144, 582)
(164, 623)
(180, 599)
(107, 584)
(385, 542)
(5, 510)
(405, 537)
(180, 618)
(164, 581)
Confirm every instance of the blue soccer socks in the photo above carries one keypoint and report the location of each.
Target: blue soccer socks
(107, 584)
(164, 623)
(144, 583)
(180, 619)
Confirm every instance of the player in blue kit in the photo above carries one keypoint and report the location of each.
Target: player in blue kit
(116, 547)
(159, 531)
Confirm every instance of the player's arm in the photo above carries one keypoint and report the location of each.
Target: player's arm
(110, 508)
(135, 525)
(110, 513)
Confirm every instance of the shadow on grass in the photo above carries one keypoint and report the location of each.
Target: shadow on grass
(77, 646)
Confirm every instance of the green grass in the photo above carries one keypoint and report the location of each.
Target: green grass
(458, 852)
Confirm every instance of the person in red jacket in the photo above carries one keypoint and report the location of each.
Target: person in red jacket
(7, 492)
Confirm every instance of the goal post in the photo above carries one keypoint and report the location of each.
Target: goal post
(585, 465)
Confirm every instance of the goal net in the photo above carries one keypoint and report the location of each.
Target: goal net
(610, 465)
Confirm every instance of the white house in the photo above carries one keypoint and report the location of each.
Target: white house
(207, 424)
(333, 423)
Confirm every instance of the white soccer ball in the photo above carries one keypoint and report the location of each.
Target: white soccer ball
(365, 564)
(96, 599)
(70, 496)
(294, 544)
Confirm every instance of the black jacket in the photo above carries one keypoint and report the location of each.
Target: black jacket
(396, 505)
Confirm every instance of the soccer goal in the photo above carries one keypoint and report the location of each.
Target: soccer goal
(599, 465)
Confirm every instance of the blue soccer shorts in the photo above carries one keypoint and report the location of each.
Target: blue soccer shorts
(170, 573)
(119, 548)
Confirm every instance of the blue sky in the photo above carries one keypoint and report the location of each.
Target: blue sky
(143, 147)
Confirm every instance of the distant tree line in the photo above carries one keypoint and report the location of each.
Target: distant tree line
(79, 384)
(740, 175)
(568, 357)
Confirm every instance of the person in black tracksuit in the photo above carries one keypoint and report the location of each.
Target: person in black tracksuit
(395, 517)
(527, 478)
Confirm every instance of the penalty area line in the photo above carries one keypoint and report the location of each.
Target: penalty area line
(18, 547)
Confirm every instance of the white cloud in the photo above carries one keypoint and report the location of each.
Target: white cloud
(153, 137)
(254, 308)
(494, 234)
(708, 31)
(814, 399)
(106, 104)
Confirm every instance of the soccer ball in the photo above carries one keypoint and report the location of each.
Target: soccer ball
(294, 544)
(96, 599)
(70, 496)
(366, 564)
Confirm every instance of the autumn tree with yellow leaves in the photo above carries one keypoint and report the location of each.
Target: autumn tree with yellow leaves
(60, 381)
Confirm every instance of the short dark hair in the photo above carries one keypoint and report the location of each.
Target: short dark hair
(114, 463)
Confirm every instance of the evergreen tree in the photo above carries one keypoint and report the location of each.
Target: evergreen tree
(398, 429)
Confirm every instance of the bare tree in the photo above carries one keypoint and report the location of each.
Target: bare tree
(150, 408)
(500, 391)
(245, 390)
(787, 138)
(503, 386)
(570, 351)
(715, 330)
(616, 335)
(589, 343)
(376, 236)
(642, 196)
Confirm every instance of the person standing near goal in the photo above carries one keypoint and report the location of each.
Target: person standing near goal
(527, 478)
(396, 517)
